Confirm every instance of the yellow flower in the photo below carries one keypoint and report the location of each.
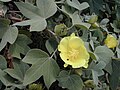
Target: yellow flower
(73, 52)
(111, 41)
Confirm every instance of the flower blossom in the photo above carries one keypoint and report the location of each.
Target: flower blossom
(73, 51)
(111, 41)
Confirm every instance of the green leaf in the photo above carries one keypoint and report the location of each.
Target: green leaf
(15, 73)
(47, 8)
(5, 79)
(78, 22)
(42, 64)
(97, 70)
(114, 78)
(5, 0)
(93, 55)
(108, 68)
(35, 55)
(37, 24)
(48, 68)
(67, 10)
(9, 36)
(95, 5)
(104, 54)
(3, 62)
(51, 44)
(72, 82)
(4, 25)
(118, 52)
(28, 10)
(95, 77)
(98, 33)
(116, 26)
(77, 5)
(19, 70)
(20, 46)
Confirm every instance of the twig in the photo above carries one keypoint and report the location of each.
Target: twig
(53, 53)
(14, 11)
(16, 19)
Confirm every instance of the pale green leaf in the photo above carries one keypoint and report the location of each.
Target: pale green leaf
(98, 33)
(4, 25)
(15, 73)
(3, 62)
(37, 24)
(46, 67)
(67, 10)
(77, 5)
(108, 68)
(95, 77)
(97, 70)
(47, 8)
(19, 70)
(9, 36)
(116, 25)
(28, 10)
(70, 81)
(51, 44)
(77, 21)
(104, 54)
(114, 77)
(5, 0)
(20, 46)
(35, 55)
(5, 79)
(95, 5)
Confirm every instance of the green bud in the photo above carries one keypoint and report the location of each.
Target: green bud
(60, 30)
(95, 25)
(93, 19)
(35, 87)
(89, 83)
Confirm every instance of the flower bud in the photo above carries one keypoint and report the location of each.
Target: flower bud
(60, 30)
(93, 19)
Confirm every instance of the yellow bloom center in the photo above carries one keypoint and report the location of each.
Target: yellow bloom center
(73, 54)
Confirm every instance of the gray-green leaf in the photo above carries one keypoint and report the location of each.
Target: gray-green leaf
(48, 68)
(104, 54)
(3, 62)
(35, 55)
(72, 82)
(9, 36)
(77, 5)
(20, 46)
(47, 8)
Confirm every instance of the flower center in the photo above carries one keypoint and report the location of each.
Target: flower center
(73, 54)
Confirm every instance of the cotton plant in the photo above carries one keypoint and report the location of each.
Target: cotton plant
(59, 45)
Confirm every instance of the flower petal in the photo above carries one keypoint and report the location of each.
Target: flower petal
(75, 42)
(63, 46)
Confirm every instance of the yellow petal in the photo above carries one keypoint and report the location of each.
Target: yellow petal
(79, 63)
(65, 65)
(64, 57)
(63, 46)
(75, 42)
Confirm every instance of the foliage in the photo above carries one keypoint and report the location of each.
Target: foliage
(32, 30)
